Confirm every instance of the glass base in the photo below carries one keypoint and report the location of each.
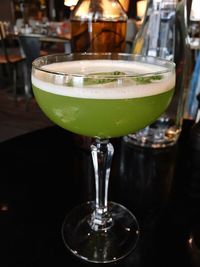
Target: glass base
(100, 246)
(154, 137)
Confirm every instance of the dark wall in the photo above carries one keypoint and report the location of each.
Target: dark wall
(189, 3)
(7, 11)
(132, 9)
(61, 12)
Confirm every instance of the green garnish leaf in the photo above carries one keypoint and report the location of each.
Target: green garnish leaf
(94, 81)
(156, 77)
(146, 80)
(69, 83)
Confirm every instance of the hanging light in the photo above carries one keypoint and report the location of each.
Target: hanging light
(141, 8)
(70, 3)
(125, 4)
(195, 11)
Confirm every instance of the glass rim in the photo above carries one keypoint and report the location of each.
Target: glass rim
(169, 68)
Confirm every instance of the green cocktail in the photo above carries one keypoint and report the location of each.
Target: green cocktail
(102, 96)
(79, 105)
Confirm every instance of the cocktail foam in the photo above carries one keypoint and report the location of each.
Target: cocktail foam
(54, 78)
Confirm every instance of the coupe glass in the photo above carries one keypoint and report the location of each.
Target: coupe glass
(102, 96)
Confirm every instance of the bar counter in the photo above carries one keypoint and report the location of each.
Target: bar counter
(45, 173)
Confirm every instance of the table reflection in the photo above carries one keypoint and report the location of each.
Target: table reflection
(37, 188)
(146, 175)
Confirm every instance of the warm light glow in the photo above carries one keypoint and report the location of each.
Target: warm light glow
(4, 207)
(190, 240)
(195, 10)
(125, 4)
(141, 8)
(110, 10)
(70, 2)
(83, 12)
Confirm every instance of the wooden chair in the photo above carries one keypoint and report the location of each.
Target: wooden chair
(32, 49)
(12, 59)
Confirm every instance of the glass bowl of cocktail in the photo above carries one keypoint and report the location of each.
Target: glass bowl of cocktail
(102, 96)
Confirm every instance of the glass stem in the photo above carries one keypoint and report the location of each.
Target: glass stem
(102, 154)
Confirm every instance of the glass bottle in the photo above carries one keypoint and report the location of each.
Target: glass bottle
(98, 26)
(164, 34)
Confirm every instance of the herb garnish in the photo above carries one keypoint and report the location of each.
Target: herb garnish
(146, 80)
(94, 81)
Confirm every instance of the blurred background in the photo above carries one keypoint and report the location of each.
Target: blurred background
(32, 28)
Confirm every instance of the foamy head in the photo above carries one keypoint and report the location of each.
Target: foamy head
(68, 79)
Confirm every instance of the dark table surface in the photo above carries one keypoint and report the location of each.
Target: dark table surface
(44, 174)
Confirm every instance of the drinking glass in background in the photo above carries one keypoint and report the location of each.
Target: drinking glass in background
(164, 34)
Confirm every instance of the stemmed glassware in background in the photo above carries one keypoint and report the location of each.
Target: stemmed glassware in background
(102, 95)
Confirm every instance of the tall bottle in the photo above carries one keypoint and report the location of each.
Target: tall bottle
(164, 34)
(98, 26)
